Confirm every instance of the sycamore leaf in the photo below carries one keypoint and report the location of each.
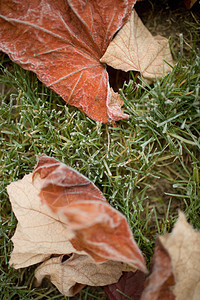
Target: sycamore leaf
(78, 221)
(62, 41)
(183, 245)
(134, 48)
(130, 284)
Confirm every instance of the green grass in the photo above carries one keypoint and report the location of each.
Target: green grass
(147, 167)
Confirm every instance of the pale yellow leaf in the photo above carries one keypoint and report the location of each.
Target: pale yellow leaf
(183, 245)
(71, 275)
(39, 232)
(134, 48)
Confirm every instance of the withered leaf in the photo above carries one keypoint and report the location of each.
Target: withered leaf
(99, 230)
(161, 279)
(62, 42)
(62, 184)
(73, 274)
(130, 284)
(189, 3)
(79, 221)
(134, 48)
(40, 232)
(183, 245)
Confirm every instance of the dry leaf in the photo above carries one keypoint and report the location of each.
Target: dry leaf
(71, 275)
(189, 3)
(40, 232)
(62, 42)
(183, 245)
(130, 284)
(161, 279)
(78, 220)
(99, 230)
(134, 48)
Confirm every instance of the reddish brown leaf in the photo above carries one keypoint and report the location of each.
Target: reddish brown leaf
(131, 284)
(99, 230)
(189, 3)
(62, 42)
(157, 285)
(62, 185)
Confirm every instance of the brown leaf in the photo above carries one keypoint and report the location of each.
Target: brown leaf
(189, 3)
(99, 230)
(131, 284)
(183, 245)
(134, 48)
(71, 275)
(62, 42)
(102, 239)
(161, 279)
(62, 185)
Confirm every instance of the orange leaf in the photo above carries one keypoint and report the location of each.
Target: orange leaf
(62, 42)
(62, 184)
(100, 230)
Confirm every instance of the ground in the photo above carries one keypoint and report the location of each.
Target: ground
(147, 167)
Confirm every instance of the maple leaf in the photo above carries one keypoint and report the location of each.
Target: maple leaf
(60, 212)
(62, 42)
(134, 48)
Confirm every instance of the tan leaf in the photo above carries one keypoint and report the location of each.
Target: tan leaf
(183, 245)
(70, 275)
(134, 48)
(39, 232)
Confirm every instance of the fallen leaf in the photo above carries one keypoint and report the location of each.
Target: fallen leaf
(99, 230)
(62, 184)
(183, 245)
(40, 232)
(62, 42)
(134, 48)
(79, 221)
(71, 275)
(189, 3)
(130, 284)
(161, 279)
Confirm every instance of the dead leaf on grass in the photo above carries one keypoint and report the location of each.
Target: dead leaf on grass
(174, 268)
(183, 245)
(189, 3)
(158, 284)
(60, 212)
(134, 48)
(62, 42)
(72, 274)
